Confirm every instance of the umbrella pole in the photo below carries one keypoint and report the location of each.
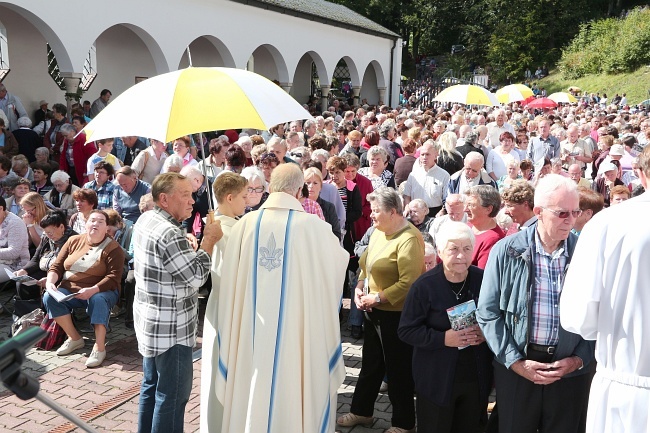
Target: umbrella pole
(205, 176)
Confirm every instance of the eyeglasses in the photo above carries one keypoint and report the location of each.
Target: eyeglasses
(564, 214)
(258, 190)
(296, 154)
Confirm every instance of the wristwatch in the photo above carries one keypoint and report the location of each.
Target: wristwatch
(378, 298)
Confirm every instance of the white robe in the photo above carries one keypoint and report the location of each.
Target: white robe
(211, 409)
(606, 297)
(279, 362)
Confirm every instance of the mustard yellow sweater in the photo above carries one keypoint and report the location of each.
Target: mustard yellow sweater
(395, 261)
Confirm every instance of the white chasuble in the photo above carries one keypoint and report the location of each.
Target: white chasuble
(279, 362)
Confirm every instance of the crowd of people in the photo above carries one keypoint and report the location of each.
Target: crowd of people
(423, 211)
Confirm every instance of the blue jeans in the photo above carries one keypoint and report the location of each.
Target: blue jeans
(356, 317)
(98, 306)
(165, 391)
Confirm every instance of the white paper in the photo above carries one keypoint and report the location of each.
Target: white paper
(59, 296)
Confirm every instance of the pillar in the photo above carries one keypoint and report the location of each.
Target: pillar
(286, 87)
(324, 91)
(356, 91)
(72, 80)
(382, 95)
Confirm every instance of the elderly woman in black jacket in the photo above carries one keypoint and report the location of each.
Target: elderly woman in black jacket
(451, 368)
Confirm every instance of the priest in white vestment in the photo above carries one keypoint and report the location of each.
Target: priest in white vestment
(606, 297)
(279, 363)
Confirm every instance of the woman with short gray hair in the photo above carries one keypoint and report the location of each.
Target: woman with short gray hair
(376, 170)
(393, 260)
(482, 204)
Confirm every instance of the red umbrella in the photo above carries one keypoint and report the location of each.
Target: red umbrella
(528, 100)
(542, 103)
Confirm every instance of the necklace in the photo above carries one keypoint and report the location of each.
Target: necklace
(461, 289)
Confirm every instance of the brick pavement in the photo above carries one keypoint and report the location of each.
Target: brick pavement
(67, 381)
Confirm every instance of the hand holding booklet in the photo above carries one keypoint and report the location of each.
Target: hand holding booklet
(22, 279)
(462, 316)
(59, 296)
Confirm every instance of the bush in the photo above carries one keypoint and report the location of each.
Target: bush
(609, 46)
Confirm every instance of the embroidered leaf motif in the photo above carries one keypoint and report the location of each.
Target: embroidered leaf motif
(270, 257)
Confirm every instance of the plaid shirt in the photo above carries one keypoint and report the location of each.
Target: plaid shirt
(545, 310)
(168, 274)
(104, 193)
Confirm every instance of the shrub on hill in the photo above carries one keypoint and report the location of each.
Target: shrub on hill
(612, 45)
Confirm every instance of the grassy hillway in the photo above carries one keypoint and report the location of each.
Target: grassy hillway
(636, 84)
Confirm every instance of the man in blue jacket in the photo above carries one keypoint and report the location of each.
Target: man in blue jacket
(541, 370)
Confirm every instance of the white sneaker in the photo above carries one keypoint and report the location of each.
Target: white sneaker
(95, 359)
(70, 346)
(383, 387)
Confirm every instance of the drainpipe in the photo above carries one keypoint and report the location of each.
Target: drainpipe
(390, 77)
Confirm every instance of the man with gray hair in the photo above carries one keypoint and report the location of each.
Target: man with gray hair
(538, 362)
(280, 363)
(498, 127)
(427, 181)
(11, 106)
(471, 175)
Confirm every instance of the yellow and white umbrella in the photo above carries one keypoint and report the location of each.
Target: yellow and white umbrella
(513, 93)
(195, 100)
(562, 97)
(467, 94)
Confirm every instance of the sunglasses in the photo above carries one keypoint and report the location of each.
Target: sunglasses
(564, 214)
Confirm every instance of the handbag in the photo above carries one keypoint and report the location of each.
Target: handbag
(55, 334)
(27, 321)
(46, 260)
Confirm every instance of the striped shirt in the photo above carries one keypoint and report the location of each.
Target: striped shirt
(168, 274)
(547, 287)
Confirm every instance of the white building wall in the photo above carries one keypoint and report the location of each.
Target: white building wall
(165, 28)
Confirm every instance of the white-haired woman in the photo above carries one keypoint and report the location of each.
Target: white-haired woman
(173, 163)
(60, 197)
(376, 170)
(513, 173)
(451, 364)
(257, 187)
(449, 159)
(392, 262)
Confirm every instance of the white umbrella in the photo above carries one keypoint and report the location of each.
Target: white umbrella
(195, 100)
(467, 94)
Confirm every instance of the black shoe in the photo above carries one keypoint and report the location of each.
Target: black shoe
(357, 332)
(129, 324)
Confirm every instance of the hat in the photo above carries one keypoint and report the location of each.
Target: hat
(232, 135)
(43, 102)
(617, 150)
(606, 166)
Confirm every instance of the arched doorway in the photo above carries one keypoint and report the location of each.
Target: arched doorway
(207, 51)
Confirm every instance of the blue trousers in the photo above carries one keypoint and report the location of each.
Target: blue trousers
(165, 391)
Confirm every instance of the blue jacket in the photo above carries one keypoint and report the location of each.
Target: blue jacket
(505, 302)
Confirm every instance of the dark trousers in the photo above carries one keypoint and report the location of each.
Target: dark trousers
(384, 353)
(129, 295)
(528, 408)
(433, 211)
(463, 415)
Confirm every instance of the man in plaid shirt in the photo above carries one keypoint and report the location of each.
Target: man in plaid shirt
(542, 373)
(102, 185)
(169, 270)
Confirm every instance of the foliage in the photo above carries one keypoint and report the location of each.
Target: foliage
(609, 46)
(504, 35)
